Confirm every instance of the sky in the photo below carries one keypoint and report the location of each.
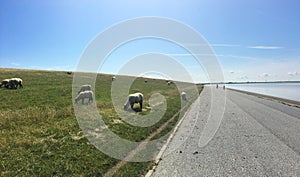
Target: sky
(253, 40)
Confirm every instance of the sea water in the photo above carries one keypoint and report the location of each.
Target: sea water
(282, 90)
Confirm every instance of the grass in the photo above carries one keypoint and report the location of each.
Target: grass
(40, 135)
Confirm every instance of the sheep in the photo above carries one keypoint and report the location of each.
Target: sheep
(113, 78)
(69, 72)
(146, 81)
(12, 83)
(85, 94)
(183, 96)
(17, 82)
(170, 82)
(84, 88)
(134, 98)
(4, 83)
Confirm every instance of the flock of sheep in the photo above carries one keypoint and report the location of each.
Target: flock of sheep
(12, 83)
(86, 92)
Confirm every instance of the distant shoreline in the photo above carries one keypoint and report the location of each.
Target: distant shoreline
(258, 82)
(273, 98)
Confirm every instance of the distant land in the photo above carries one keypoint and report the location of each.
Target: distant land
(252, 82)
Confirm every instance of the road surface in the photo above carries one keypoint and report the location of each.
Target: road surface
(257, 137)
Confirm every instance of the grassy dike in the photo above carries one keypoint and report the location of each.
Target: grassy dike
(40, 135)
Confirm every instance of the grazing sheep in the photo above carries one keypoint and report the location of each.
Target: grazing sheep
(169, 82)
(84, 88)
(12, 83)
(113, 78)
(17, 82)
(4, 83)
(134, 98)
(69, 72)
(146, 81)
(85, 94)
(183, 96)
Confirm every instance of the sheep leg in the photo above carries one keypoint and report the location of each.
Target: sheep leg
(131, 105)
(141, 105)
(90, 99)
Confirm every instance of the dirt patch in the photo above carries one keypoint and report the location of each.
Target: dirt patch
(117, 121)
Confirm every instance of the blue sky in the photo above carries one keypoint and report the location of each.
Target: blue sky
(254, 40)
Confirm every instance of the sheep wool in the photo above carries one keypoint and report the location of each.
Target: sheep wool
(85, 94)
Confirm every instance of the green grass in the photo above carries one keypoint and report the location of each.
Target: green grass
(40, 135)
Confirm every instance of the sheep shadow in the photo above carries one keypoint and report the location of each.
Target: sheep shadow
(131, 110)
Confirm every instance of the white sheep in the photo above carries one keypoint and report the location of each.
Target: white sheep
(85, 94)
(85, 88)
(183, 96)
(113, 78)
(134, 98)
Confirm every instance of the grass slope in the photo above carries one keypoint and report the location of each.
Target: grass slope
(40, 136)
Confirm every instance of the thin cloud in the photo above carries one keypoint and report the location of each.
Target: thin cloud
(211, 55)
(179, 54)
(265, 47)
(212, 45)
(15, 64)
(188, 54)
(293, 73)
(53, 68)
(224, 45)
(238, 57)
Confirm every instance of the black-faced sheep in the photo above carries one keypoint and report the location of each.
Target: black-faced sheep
(183, 96)
(4, 83)
(84, 88)
(12, 83)
(134, 98)
(113, 78)
(85, 94)
(170, 82)
(15, 82)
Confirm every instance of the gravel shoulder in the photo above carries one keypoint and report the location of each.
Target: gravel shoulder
(257, 137)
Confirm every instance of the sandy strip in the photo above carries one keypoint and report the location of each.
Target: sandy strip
(257, 137)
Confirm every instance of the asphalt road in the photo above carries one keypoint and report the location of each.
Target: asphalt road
(257, 137)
